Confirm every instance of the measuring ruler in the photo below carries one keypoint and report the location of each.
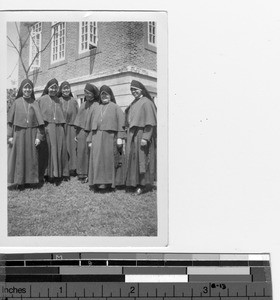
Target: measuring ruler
(135, 276)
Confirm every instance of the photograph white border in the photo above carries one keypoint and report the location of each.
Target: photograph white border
(162, 155)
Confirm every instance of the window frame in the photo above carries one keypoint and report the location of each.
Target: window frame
(95, 36)
(153, 34)
(32, 42)
(57, 25)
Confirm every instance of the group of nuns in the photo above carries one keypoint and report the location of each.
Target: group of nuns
(52, 138)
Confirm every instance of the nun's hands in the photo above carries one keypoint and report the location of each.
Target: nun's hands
(144, 143)
(37, 142)
(119, 142)
(10, 141)
(75, 139)
(89, 145)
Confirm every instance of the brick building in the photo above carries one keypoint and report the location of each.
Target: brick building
(111, 53)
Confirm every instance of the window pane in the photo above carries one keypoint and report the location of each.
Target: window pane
(58, 41)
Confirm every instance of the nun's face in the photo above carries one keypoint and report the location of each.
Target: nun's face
(66, 91)
(27, 90)
(105, 98)
(53, 90)
(136, 93)
(89, 95)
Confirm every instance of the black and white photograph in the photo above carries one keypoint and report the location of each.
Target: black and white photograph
(83, 111)
(209, 72)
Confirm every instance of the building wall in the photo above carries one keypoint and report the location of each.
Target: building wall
(72, 66)
(122, 54)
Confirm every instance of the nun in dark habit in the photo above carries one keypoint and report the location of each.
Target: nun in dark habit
(141, 122)
(106, 141)
(25, 133)
(83, 118)
(70, 109)
(53, 153)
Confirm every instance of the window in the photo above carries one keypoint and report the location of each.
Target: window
(152, 33)
(87, 36)
(58, 41)
(35, 45)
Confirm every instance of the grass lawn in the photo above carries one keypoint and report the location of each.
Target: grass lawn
(71, 209)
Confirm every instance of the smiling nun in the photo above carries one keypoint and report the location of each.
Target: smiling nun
(70, 109)
(141, 127)
(107, 130)
(25, 134)
(53, 154)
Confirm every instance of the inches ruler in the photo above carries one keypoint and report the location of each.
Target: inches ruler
(135, 276)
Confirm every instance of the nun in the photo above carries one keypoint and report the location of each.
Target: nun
(25, 134)
(107, 133)
(53, 154)
(83, 118)
(70, 109)
(141, 122)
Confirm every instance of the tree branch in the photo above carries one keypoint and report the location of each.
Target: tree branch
(47, 43)
(13, 45)
(38, 51)
(29, 34)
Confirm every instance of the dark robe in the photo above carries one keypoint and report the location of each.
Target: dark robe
(53, 152)
(70, 109)
(82, 120)
(140, 160)
(25, 125)
(105, 157)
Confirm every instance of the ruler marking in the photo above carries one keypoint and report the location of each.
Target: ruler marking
(102, 290)
(237, 287)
